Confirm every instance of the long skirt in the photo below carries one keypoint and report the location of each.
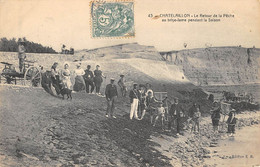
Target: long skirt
(79, 84)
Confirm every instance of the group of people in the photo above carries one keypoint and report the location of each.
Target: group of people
(143, 101)
(141, 98)
(84, 79)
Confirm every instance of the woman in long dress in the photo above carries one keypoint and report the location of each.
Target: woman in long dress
(55, 79)
(66, 76)
(98, 79)
(79, 80)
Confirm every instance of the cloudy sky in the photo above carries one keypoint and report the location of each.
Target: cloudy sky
(54, 22)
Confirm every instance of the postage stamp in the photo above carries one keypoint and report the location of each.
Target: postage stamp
(112, 19)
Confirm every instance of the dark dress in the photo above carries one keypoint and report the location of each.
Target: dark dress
(231, 123)
(150, 105)
(215, 116)
(98, 80)
(141, 105)
(177, 114)
(55, 80)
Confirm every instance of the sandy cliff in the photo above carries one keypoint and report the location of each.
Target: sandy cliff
(218, 65)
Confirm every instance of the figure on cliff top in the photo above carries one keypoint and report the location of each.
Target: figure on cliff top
(21, 54)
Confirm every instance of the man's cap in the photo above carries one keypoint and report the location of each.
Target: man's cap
(98, 66)
(112, 79)
(233, 110)
(122, 75)
(135, 84)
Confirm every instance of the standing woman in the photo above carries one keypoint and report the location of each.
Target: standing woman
(66, 76)
(98, 79)
(79, 80)
(55, 78)
(148, 89)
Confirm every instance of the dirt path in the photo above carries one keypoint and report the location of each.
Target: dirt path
(48, 131)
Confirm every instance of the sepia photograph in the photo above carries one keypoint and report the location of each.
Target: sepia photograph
(129, 83)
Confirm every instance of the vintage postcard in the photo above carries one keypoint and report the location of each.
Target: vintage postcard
(129, 83)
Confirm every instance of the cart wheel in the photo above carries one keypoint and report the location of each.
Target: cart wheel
(33, 77)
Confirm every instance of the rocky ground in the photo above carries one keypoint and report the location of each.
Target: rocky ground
(40, 130)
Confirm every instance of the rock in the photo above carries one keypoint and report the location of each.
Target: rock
(206, 151)
(129, 131)
(206, 156)
(93, 162)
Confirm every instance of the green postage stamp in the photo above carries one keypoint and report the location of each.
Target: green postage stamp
(112, 19)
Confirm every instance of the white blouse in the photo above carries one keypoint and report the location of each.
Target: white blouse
(79, 71)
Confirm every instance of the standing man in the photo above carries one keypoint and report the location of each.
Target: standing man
(98, 79)
(121, 83)
(111, 95)
(21, 54)
(89, 79)
(176, 115)
(134, 100)
(142, 98)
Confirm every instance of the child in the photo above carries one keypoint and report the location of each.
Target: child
(160, 113)
(231, 121)
(196, 119)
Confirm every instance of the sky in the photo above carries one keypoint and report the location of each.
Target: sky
(56, 22)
